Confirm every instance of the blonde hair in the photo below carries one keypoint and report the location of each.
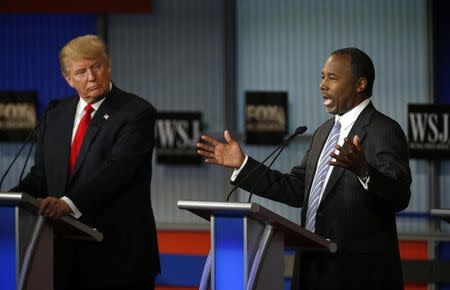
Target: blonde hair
(87, 46)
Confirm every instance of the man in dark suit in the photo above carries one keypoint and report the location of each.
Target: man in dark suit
(94, 161)
(353, 179)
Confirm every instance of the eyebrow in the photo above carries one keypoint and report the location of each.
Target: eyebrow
(330, 74)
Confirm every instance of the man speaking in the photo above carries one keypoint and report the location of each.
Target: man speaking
(351, 182)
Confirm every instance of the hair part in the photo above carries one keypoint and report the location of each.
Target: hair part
(83, 47)
(361, 65)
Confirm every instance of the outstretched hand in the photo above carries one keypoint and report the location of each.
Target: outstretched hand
(351, 157)
(227, 154)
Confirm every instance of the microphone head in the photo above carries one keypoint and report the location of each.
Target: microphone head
(300, 130)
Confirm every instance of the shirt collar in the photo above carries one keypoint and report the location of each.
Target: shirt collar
(82, 104)
(350, 117)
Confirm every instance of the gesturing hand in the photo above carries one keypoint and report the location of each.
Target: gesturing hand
(351, 157)
(227, 154)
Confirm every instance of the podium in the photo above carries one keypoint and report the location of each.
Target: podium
(247, 245)
(26, 242)
(442, 213)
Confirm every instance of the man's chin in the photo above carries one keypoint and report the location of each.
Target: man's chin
(331, 110)
(93, 98)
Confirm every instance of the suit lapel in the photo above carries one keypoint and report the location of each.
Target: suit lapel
(358, 129)
(105, 110)
(314, 153)
(62, 125)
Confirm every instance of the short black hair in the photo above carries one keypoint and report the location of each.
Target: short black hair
(362, 66)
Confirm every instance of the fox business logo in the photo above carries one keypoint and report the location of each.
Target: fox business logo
(265, 117)
(18, 114)
(15, 116)
(428, 131)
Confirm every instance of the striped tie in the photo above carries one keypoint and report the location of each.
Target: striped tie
(319, 177)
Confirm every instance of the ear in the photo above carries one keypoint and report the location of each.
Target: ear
(69, 80)
(361, 85)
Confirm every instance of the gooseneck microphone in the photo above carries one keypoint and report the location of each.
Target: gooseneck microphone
(30, 138)
(300, 130)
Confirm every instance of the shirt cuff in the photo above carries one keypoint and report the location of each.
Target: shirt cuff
(237, 171)
(75, 211)
(365, 182)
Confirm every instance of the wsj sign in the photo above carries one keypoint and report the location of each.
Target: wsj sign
(17, 115)
(428, 131)
(176, 136)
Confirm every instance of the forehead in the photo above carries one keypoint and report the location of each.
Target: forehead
(338, 65)
(79, 63)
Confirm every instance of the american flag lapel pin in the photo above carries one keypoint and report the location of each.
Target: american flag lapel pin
(106, 116)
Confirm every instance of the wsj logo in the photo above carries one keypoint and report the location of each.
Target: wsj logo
(177, 133)
(429, 127)
(176, 136)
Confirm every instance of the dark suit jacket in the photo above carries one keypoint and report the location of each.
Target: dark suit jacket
(361, 222)
(110, 186)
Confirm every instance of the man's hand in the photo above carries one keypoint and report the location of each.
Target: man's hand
(351, 157)
(225, 154)
(54, 208)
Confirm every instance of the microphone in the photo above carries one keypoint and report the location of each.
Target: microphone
(29, 138)
(300, 130)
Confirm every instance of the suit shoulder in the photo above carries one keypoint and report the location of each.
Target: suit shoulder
(64, 101)
(137, 101)
(383, 121)
(385, 129)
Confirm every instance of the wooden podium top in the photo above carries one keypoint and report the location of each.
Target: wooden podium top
(442, 213)
(294, 235)
(66, 226)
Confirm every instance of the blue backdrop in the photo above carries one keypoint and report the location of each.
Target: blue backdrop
(442, 51)
(29, 49)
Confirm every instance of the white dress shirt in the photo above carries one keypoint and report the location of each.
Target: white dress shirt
(79, 113)
(347, 120)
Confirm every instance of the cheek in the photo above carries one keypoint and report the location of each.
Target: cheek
(80, 86)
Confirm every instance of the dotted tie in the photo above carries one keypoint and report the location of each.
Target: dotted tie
(319, 177)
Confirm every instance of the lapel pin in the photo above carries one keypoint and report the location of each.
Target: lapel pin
(106, 116)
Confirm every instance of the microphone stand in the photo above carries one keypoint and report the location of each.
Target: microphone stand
(29, 139)
(265, 171)
(298, 131)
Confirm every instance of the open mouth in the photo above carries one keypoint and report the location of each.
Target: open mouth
(327, 101)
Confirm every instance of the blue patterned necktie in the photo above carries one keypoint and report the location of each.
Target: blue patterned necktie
(319, 177)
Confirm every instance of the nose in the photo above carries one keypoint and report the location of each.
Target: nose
(90, 75)
(322, 85)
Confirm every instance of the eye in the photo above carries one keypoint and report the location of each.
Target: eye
(96, 66)
(80, 73)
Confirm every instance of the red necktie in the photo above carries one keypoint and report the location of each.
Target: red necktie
(79, 136)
